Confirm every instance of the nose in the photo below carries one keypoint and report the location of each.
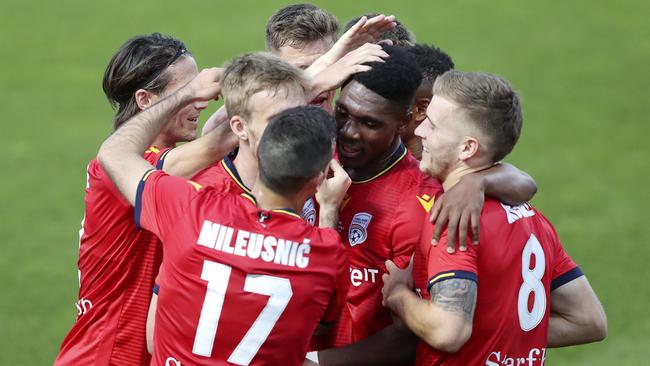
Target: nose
(349, 130)
(419, 130)
(200, 105)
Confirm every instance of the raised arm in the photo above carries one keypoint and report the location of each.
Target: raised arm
(187, 159)
(459, 209)
(576, 316)
(121, 154)
(444, 322)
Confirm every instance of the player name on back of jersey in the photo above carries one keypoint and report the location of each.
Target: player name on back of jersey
(254, 245)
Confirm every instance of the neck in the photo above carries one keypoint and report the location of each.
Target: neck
(163, 141)
(246, 165)
(373, 168)
(414, 146)
(458, 173)
(269, 200)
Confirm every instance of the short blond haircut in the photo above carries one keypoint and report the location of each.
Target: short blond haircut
(252, 73)
(490, 103)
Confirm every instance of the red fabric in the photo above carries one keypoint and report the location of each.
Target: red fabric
(117, 264)
(497, 334)
(179, 212)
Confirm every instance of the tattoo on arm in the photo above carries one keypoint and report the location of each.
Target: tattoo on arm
(455, 295)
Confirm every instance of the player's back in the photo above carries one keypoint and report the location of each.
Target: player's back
(517, 263)
(242, 286)
(117, 266)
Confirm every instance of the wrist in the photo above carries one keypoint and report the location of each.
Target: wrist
(396, 297)
(328, 216)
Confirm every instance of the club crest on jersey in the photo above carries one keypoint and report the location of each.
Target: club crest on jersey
(309, 212)
(358, 231)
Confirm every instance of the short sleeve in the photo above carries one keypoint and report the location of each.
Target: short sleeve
(160, 200)
(565, 269)
(342, 280)
(443, 266)
(409, 220)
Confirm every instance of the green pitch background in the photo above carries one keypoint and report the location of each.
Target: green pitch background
(581, 67)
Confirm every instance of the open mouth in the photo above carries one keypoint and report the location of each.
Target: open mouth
(349, 150)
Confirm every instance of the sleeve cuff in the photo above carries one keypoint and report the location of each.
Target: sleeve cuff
(447, 275)
(156, 288)
(161, 159)
(138, 199)
(567, 277)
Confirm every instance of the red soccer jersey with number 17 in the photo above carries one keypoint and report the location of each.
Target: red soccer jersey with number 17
(117, 266)
(240, 286)
(381, 219)
(517, 264)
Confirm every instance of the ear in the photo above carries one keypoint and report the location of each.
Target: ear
(420, 109)
(144, 98)
(238, 127)
(469, 148)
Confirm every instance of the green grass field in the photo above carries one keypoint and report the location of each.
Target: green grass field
(579, 66)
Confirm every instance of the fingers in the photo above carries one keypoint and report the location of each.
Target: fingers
(462, 231)
(390, 266)
(435, 210)
(452, 226)
(476, 219)
(440, 223)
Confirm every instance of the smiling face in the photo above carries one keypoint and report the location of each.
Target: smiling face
(368, 127)
(441, 138)
(183, 125)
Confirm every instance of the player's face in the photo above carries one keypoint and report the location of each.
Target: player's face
(182, 126)
(266, 104)
(368, 126)
(441, 138)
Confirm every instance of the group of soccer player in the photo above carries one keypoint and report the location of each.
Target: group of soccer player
(382, 229)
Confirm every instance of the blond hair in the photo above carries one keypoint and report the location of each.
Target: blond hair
(251, 73)
(490, 103)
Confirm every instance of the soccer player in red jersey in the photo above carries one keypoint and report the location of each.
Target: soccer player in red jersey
(244, 281)
(118, 262)
(382, 214)
(517, 293)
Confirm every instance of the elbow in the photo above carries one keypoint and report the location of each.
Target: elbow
(449, 339)
(600, 326)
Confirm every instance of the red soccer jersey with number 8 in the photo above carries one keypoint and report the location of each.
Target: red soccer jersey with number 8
(517, 264)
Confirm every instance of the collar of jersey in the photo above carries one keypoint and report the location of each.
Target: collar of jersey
(286, 211)
(232, 171)
(395, 158)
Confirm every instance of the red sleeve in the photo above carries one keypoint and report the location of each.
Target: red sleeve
(565, 269)
(160, 200)
(443, 266)
(409, 220)
(342, 280)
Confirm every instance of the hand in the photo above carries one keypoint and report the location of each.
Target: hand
(395, 280)
(457, 208)
(353, 62)
(331, 191)
(216, 119)
(364, 31)
(206, 85)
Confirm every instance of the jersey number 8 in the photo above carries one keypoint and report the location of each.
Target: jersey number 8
(217, 275)
(532, 277)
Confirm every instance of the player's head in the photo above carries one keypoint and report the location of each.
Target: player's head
(473, 121)
(295, 150)
(373, 108)
(301, 33)
(400, 35)
(145, 69)
(433, 62)
(257, 86)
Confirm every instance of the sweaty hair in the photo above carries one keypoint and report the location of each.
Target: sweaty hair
(294, 148)
(400, 35)
(251, 73)
(490, 103)
(299, 24)
(141, 63)
(432, 61)
(397, 79)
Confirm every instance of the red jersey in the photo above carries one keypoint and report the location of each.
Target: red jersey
(223, 176)
(381, 219)
(518, 263)
(240, 285)
(117, 266)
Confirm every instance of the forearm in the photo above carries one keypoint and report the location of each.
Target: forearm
(419, 315)
(328, 216)
(507, 184)
(185, 160)
(372, 350)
